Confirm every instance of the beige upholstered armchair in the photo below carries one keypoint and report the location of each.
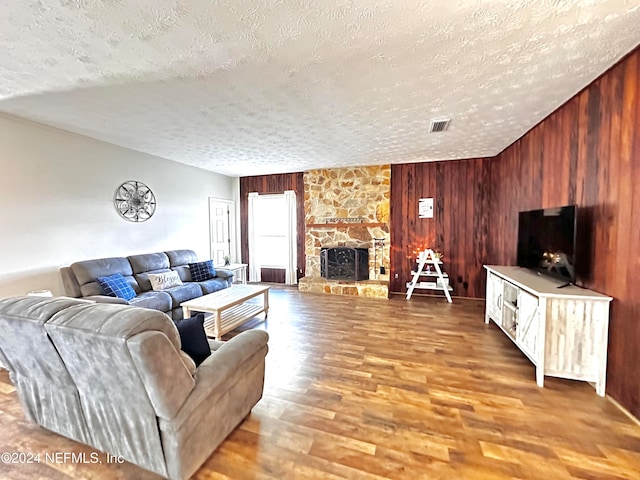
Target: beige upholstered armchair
(114, 377)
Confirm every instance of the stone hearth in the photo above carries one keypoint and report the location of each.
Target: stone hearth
(366, 288)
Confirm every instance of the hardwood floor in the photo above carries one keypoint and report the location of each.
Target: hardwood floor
(361, 388)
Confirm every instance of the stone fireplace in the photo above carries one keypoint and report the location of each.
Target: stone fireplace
(347, 208)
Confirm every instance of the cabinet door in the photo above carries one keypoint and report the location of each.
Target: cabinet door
(494, 297)
(510, 308)
(528, 323)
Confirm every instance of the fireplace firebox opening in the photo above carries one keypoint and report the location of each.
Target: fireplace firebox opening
(344, 263)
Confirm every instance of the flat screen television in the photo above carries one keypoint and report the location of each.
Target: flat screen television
(547, 241)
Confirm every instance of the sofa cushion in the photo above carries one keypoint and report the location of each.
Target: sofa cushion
(213, 285)
(162, 281)
(143, 265)
(149, 262)
(184, 272)
(88, 270)
(184, 292)
(143, 279)
(193, 338)
(181, 257)
(86, 273)
(94, 288)
(201, 271)
(155, 300)
(116, 286)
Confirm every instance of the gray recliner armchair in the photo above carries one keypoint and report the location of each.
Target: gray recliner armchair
(114, 377)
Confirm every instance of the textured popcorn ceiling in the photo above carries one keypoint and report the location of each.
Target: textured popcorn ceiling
(252, 87)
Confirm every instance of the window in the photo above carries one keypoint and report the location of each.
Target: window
(272, 235)
(270, 230)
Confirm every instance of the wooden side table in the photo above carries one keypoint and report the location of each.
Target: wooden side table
(239, 271)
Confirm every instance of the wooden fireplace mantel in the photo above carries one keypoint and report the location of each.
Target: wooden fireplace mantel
(343, 225)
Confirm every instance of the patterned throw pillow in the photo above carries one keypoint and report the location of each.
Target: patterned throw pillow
(164, 280)
(116, 286)
(202, 271)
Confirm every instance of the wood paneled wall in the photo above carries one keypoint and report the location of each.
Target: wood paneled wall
(586, 153)
(459, 227)
(264, 184)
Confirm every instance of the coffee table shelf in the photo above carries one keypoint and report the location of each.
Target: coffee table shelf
(232, 318)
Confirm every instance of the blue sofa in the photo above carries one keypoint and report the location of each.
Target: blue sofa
(80, 280)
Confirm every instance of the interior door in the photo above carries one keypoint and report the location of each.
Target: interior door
(221, 230)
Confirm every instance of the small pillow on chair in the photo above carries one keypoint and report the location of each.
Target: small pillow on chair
(164, 280)
(202, 271)
(116, 286)
(193, 338)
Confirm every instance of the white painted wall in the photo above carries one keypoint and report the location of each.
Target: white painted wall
(56, 204)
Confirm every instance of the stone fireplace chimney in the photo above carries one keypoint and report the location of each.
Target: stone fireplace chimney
(345, 210)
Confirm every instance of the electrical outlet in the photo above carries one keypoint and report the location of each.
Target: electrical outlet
(395, 276)
(465, 285)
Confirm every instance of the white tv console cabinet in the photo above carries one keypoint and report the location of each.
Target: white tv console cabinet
(563, 331)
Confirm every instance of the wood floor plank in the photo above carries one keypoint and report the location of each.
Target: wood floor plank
(370, 389)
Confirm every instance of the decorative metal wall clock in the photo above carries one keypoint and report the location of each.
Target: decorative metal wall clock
(135, 201)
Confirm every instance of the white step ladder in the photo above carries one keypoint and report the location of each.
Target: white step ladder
(428, 257)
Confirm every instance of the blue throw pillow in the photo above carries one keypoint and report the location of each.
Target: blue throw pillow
(193, 338)
(202, 271)
(116, 286)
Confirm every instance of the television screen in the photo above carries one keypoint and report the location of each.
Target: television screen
(547, 241)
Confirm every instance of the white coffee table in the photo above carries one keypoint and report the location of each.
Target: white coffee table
(228, 307)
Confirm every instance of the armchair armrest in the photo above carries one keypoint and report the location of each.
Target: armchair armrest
(219, 370)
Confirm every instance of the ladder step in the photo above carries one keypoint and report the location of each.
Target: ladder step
(430, 274)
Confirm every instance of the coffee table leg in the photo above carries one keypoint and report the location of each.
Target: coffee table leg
(265, 300)
(217, 329)
(186, 313)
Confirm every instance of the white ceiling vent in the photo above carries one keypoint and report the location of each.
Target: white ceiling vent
(439, 125)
